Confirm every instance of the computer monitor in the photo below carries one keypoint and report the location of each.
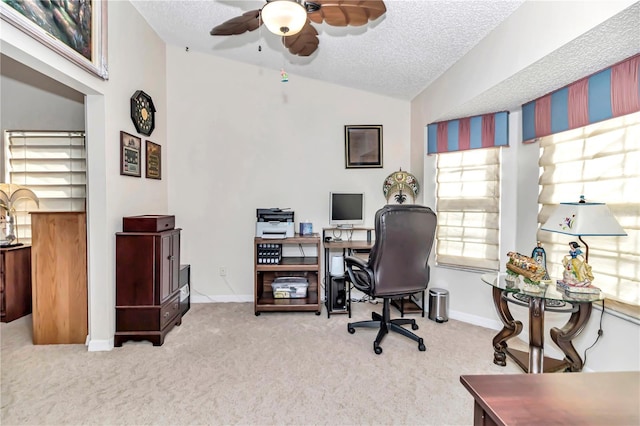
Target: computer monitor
(346, 209)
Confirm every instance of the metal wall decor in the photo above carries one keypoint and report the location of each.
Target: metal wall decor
(401, 187)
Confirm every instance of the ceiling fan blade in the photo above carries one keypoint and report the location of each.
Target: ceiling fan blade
(340, 13)
(248, 21)
(304, 43)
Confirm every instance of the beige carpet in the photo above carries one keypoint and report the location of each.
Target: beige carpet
(224, 365)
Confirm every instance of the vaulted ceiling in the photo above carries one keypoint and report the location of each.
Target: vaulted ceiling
(402, 52)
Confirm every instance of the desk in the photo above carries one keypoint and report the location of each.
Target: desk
(534, 361)
(348, 246)
(545, 399)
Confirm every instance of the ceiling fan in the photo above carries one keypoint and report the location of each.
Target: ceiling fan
(292, 20)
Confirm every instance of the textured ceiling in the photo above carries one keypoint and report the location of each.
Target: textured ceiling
(415, 41)
(608, 43)
(402, 52)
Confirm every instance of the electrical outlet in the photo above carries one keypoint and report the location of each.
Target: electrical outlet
(223, 271)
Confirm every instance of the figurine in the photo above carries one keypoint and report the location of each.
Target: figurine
(284, 76)
(576, 269)
(540, 257)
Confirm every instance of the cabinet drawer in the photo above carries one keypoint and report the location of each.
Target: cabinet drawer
(148, 223)
(169, 311)
(147, 318)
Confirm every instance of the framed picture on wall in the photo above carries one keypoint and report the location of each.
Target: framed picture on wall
(130, 155)
(76, 30)
(154, 161)
(363, 146)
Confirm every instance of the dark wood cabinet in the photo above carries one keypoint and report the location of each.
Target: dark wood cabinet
(147, 285)
(15, 282)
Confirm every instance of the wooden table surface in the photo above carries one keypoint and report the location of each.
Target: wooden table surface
(557, 399)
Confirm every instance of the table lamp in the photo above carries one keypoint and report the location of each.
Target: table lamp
(583, 219)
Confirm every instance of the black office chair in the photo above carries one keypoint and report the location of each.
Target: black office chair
(397, 266)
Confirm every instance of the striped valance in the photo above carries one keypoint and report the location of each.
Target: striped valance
(609, 93)
(480, 131)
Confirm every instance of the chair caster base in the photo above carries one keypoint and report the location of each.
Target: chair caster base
(421, 346)
(376, 348)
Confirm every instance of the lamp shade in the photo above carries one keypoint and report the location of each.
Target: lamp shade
(284, 17)
(583, 219)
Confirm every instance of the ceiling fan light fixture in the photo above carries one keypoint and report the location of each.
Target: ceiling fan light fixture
(284, 17)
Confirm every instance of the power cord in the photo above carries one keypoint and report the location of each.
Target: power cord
(201, 294)
(350, 232)
(365, 298)
(600, 333)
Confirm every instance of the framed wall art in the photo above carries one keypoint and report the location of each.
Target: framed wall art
(76, 30)
(130, 155)
(363, 147)
(154, 161)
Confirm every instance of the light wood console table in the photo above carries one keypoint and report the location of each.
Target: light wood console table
(59, 277)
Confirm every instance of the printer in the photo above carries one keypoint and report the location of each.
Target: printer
(274, 223)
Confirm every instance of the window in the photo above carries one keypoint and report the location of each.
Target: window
(602, 162)
(468, 209)
(52, 165)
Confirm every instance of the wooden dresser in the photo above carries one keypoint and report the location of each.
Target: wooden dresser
(15, 282)
(147, 285)
(59, 274)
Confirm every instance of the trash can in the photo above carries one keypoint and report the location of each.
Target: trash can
(439, 305)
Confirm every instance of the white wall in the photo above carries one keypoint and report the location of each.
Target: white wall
(136, 60)
(244, 140)
(514, 45)
(30, 100)
(235, 138)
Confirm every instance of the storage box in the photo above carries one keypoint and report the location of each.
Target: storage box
(289, 288)
(148, 223)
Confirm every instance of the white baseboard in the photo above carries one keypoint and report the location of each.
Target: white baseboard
(476, 320)
(100, 345)
(203, 298)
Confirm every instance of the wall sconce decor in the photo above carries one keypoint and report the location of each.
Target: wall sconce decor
(399, 186)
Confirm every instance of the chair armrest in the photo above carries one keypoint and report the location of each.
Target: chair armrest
(355, 261)
(360, 275)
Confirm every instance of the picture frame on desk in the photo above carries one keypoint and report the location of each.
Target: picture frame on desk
(363, 146)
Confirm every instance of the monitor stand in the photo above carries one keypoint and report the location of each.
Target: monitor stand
(344, 226)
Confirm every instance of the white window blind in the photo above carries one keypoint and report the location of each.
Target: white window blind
(468, 209)
(52, 165)
(602, 162)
